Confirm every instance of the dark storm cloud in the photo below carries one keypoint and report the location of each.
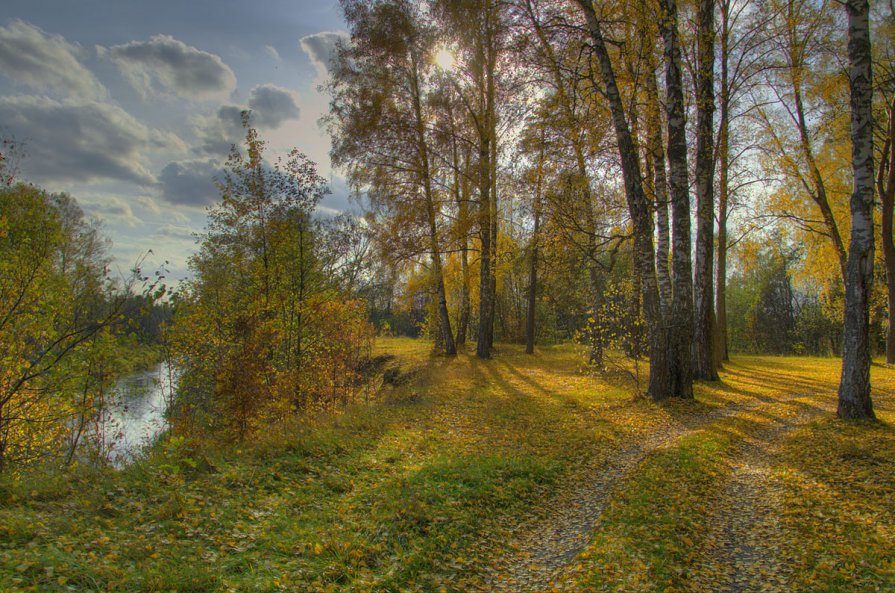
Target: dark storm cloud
(321, 48)
(44, 62)
(190, 182)
(80, 140)
(168, 65)
(272, 105)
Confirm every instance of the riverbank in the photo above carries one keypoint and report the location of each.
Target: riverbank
(514, 474)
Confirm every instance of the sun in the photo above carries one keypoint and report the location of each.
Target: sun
(444, 59)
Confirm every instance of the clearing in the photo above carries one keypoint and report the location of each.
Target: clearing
(516, 474)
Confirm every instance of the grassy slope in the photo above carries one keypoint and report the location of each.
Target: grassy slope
(417, 491)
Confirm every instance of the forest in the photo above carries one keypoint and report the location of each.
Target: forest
(612, 308)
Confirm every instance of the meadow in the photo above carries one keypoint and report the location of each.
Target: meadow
(520, 473)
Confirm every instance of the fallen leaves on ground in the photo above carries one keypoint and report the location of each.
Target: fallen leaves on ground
(515, 474)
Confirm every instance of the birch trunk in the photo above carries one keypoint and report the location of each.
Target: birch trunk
(681, 330)
(533, 259)
(885, 184)
(486, 208)
(461, 199)
(704, 366)
(532, 284)
(660, 189)
(721, 353)
(660, 386)
(854, 387)
(447, 334)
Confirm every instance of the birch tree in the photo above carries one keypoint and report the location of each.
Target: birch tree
(854, 386)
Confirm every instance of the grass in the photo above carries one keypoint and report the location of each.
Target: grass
(839, 483)
(646, 537)
(417, 490)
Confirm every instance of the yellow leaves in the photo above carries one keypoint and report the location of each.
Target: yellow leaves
(449, 483)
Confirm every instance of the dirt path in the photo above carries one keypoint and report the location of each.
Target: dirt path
(543, 547)
(739, 554)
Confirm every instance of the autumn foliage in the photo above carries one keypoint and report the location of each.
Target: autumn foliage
(63, 329)
(265, 329)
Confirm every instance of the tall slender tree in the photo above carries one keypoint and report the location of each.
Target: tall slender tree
(681, 332)
(885, 185)
(480, 47)
(379, 120)
(803, 40)
(704, 360)
(854, 386)
(661, 384)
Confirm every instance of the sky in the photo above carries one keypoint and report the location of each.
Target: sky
(131, 106)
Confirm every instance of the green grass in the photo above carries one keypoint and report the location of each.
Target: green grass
(647, 536)
(418, 489)
(384, 496)
(839, 482)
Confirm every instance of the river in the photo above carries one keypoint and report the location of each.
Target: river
(136, 412)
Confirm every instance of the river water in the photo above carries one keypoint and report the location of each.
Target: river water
(135, 413)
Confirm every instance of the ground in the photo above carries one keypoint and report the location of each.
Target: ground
(521, 473)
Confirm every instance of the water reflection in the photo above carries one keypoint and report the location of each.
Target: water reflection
(136, 411)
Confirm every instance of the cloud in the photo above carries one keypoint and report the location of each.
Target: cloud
(321, 48)
(82, 141)
(190, 182)
(152, 209)
(217, 132)
(273, 53)
(166, 65)
(340, 197)
(272, 105)
(110, 209)
(149, 204)
(177, 231)
(46, 63)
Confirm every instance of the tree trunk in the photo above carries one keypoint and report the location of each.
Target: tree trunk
(461, 197)
(532, 285)
(447, 333)
(483, 349)
(704, 367)
(681, 330)
(463, 322)
(660, 385)
(885, 184)
(533, 260)
(721, 353)
(494, 220)
(484, 71)
(595, 324)
(854, 387)
(635, 339)
(660, 189)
